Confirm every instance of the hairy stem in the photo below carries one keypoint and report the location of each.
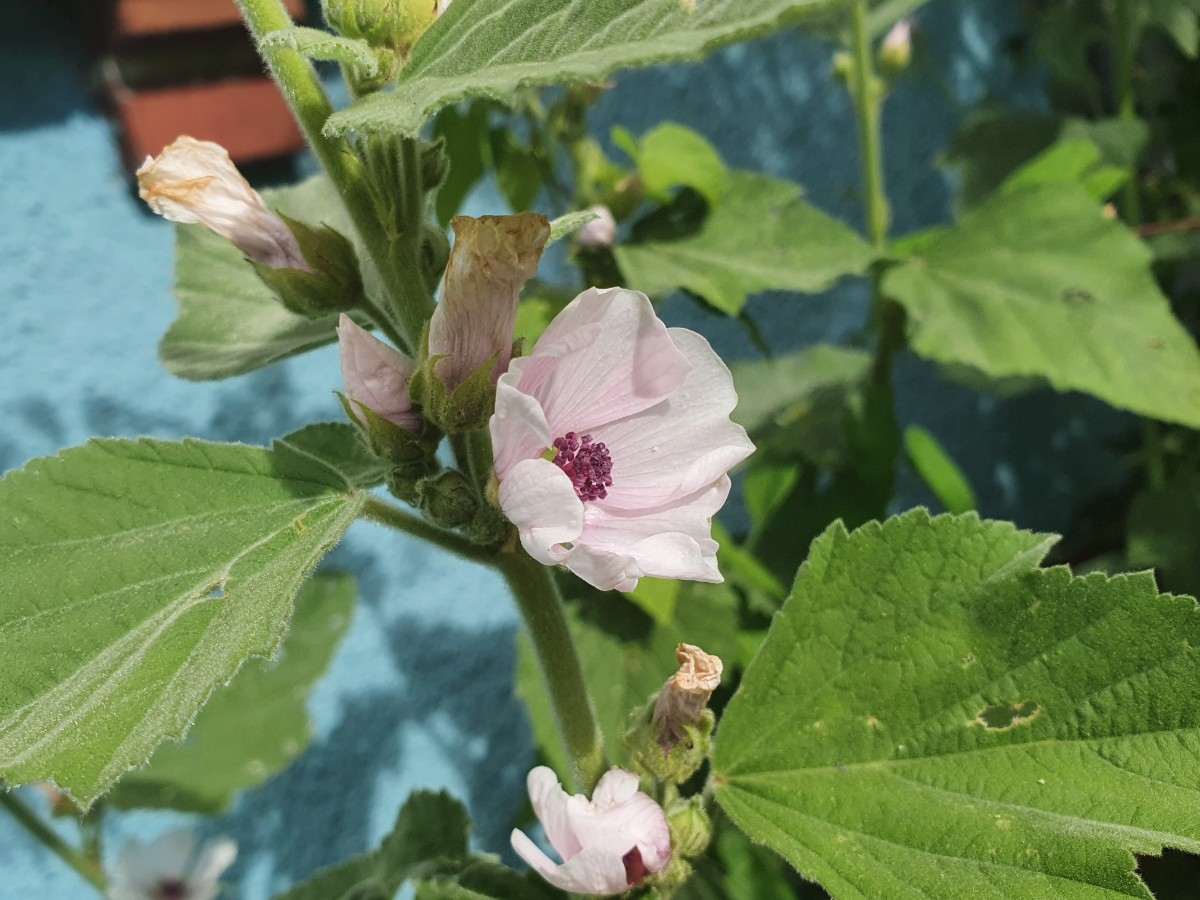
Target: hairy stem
(86, 868)
(384, 513)
(542, 609)
(406, 309)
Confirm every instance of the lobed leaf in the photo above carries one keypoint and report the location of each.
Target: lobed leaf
(1038, 282)
(761, 236)
(492, 48)
(139, 576)
(933, 715)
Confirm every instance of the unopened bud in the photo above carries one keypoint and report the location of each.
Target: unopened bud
(601, 231)
(382, 23)
(682, 700)
(447, 499)
(332, 281)
(691, 827)
(895, 53)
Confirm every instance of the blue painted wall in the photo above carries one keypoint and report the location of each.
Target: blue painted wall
(420, 693)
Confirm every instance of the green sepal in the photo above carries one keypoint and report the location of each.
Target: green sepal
(381, 23)
(647, 757)
(467, 407)
(334, 284)
(447, 499)
(691, 827)
(412, 456)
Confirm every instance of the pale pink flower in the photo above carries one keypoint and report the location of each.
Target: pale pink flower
(636, 418)
(607, 845)
(601, 231)
(171, 867)
(195, 181)
(493, 257)
(376, 376)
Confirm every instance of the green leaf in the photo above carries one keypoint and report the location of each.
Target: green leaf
(493, 47)
(337, 447)
(430, 833)
(933, 715)
(1177, 18)
(564, 225)
(1070, 162)
(761, 236)
(139, 576)
(1163, 525)
(674, 156)
(230, 322)
(314, 43)
(484, 878)
(464, 131)
(938, 470)
(793, 405)
(657, 597)
(256, 726)
(1038, 282)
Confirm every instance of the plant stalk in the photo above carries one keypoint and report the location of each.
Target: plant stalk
(541, 607)
(407, 310)
(384, 513)
(88, 870)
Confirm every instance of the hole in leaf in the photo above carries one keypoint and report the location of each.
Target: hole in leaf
(1077, 296)
(215, 592)
(1003, 716)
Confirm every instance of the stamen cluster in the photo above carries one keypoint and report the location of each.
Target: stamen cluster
(587, 464)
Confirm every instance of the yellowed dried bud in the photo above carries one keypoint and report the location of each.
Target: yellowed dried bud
(684, 697)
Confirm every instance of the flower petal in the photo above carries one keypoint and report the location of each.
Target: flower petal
(540, 500)
(604, 357)
(216, 856)
(195, 182)
(518, 427)
(615, 787)
(376, 375)
(551, 804)
(591, 871)
(681, 445)
(493, 257)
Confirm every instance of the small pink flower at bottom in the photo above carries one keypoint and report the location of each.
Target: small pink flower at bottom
(376, 376)
(608, 844)
(171, 868)
(612, 442)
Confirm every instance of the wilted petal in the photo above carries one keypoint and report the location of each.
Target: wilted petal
(493, 257)
(376, 375)
(195, 182)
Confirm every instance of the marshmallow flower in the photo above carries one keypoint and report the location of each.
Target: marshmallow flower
(376, 376)
(612, 442)
(607, 845)
(195, 182)
(601, 231)
(170, 868)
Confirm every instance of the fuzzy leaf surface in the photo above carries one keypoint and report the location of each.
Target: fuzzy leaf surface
(139, 576)
(230, 322)
(760, 237)
(257, 725)
(933, 715)
(491, 48)
(1037, 282)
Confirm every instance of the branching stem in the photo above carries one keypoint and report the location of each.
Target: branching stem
(87, 869)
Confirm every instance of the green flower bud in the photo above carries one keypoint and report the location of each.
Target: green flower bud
(382, 23)
(691, 827)
(447, 499)
(332, 283)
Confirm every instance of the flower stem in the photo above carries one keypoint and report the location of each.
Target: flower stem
(88, 870)
(384, 513)
(304, 93)
(867, 91)
(541, 607)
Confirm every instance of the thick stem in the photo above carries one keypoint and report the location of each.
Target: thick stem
(480, 459)
(88, 870)
(303, 91)
(384, 513)
(542, 609)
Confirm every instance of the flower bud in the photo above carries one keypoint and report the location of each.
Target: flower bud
(195, 182)
(691, 827)
(382, 23)
(601, 231)
(333, 283)
(895, 53)
(376, 376)
(682, 700)
(470, 335)
(447, 499)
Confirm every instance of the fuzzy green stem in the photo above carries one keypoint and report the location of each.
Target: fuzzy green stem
(384, 513)
(407, 310)
(480, 458)
(541, 607)
(88, 870)
(868, 103)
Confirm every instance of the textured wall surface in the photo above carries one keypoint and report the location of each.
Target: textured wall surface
(420, 693)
